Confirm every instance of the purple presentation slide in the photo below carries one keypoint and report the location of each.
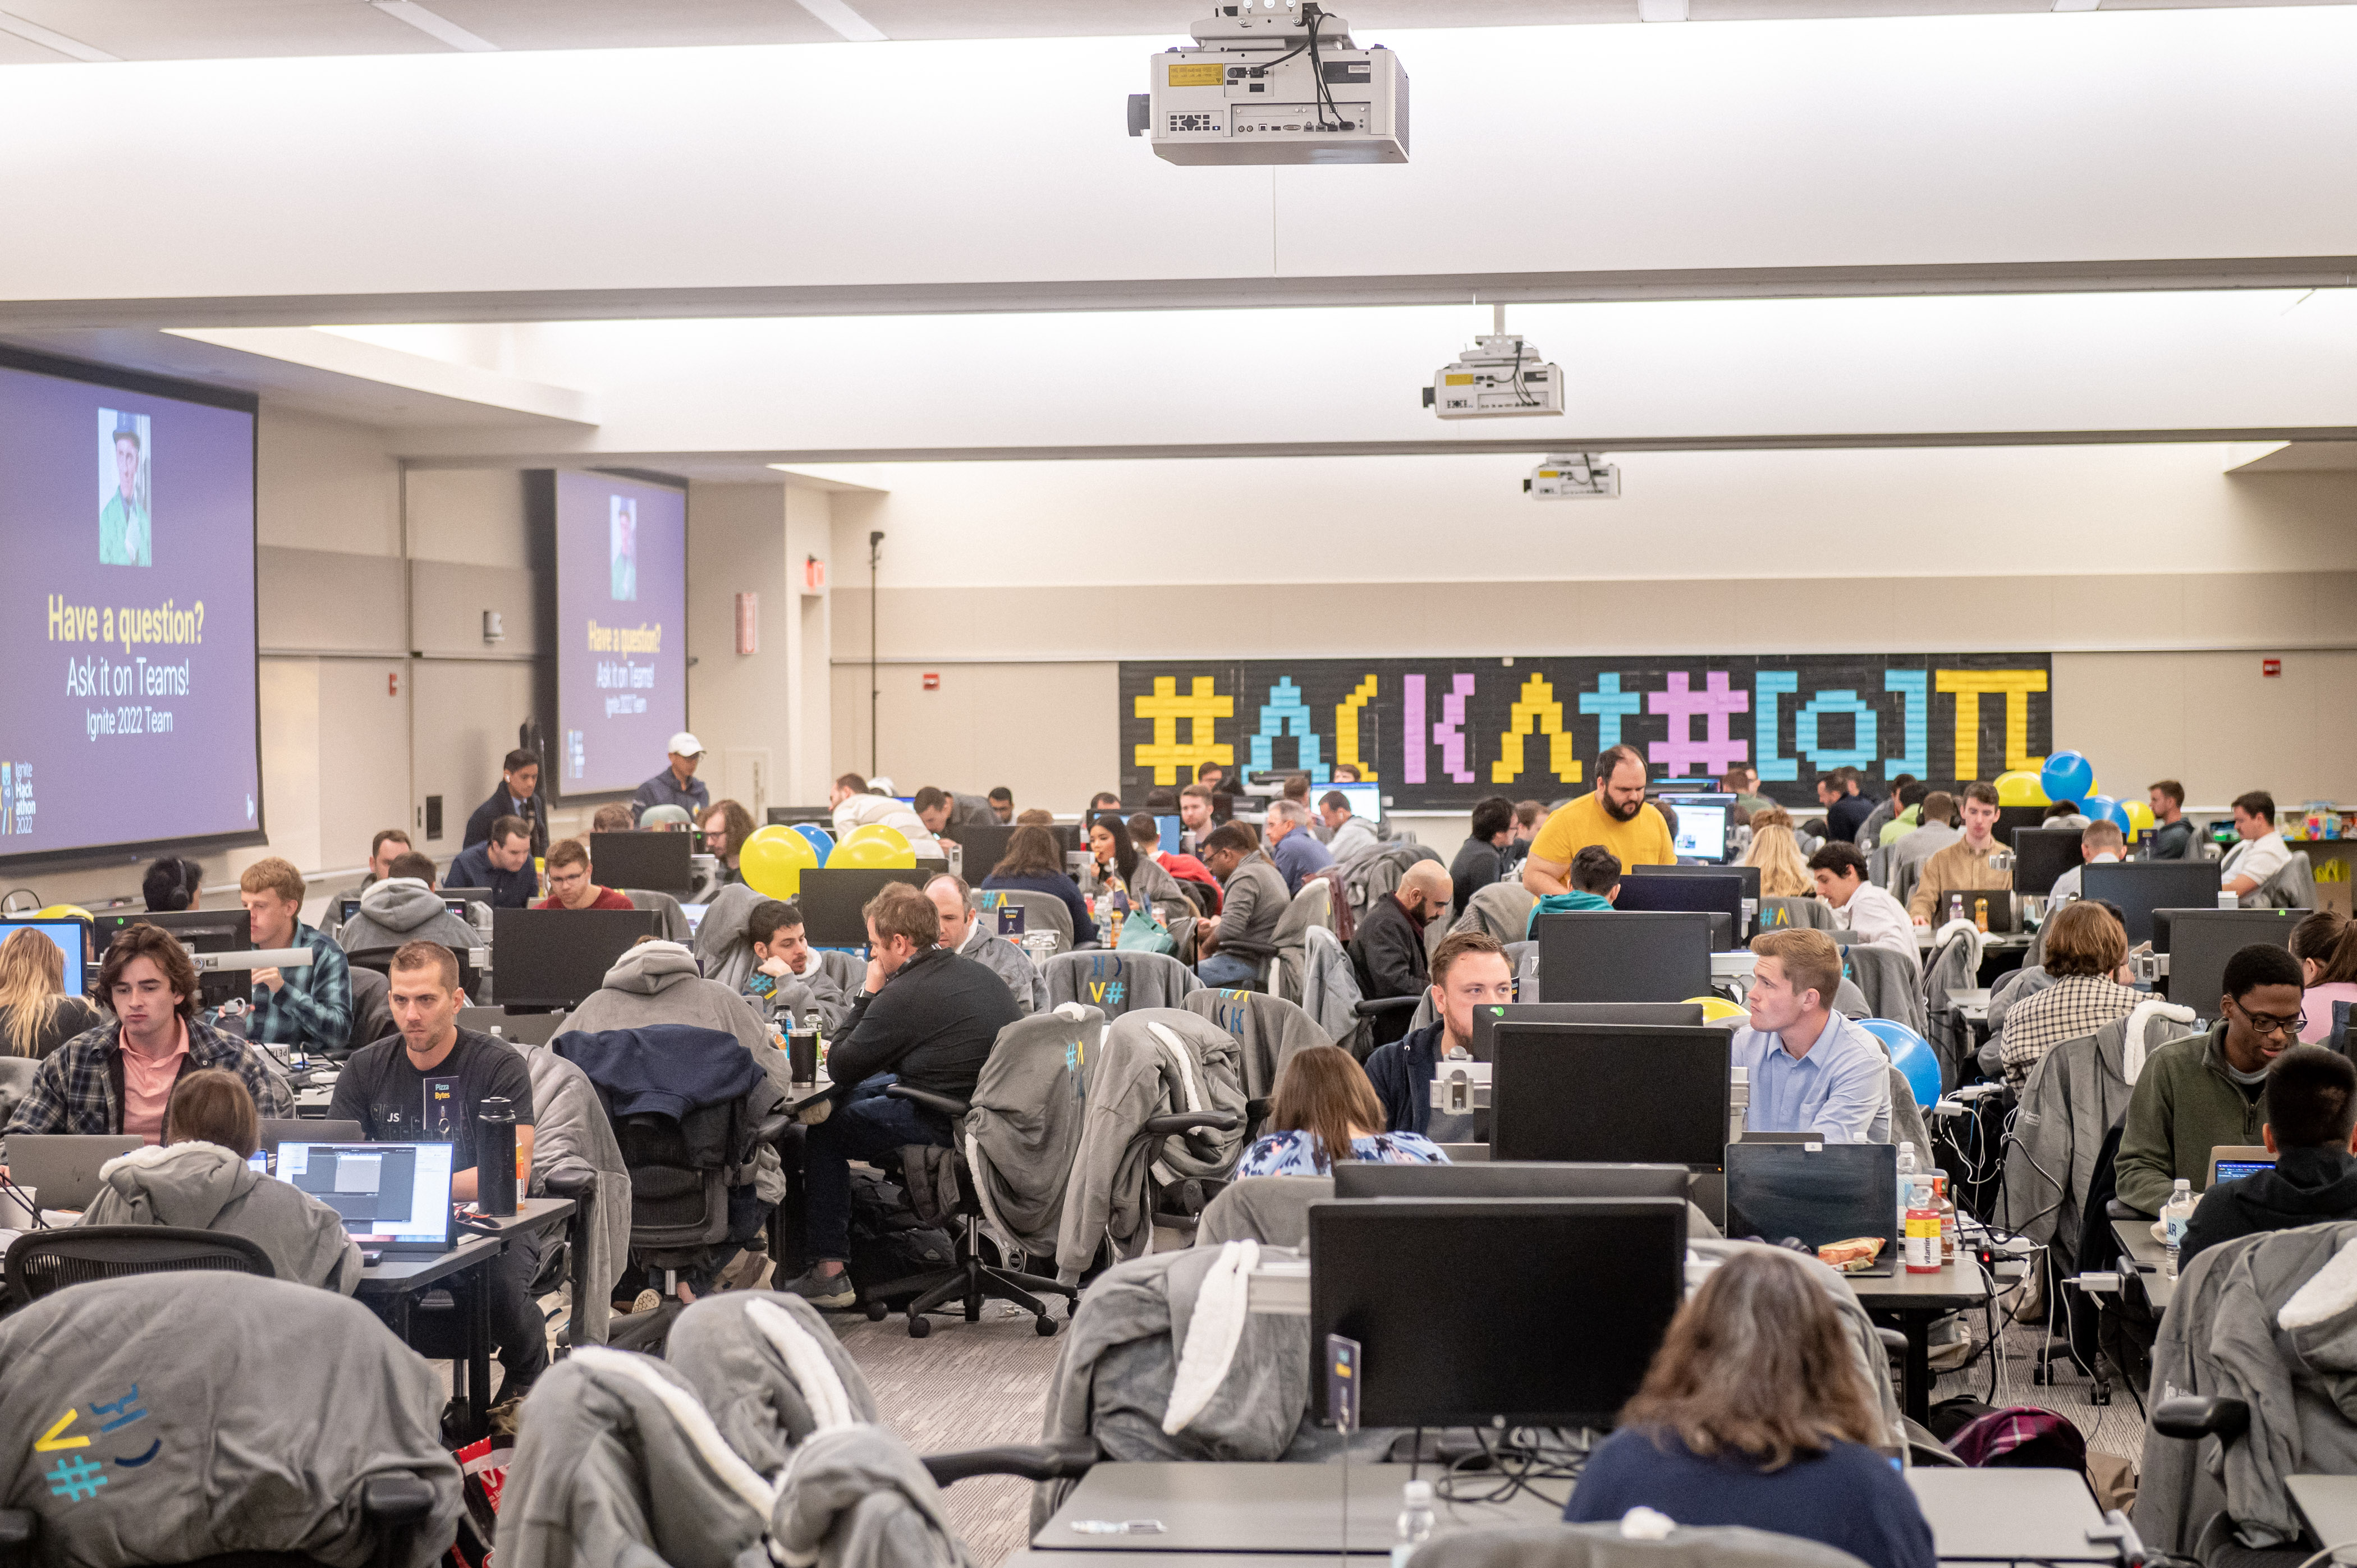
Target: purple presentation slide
(621, 629)
(126, 519)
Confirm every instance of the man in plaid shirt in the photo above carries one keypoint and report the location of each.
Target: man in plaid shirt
(118, 1077)
(308, 1007)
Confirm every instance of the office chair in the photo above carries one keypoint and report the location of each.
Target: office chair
(671, 920)
(372, 1010)
(16, 1077)
(393, 1508)
(1041, 912)
(42, 1261)
(968, 1282)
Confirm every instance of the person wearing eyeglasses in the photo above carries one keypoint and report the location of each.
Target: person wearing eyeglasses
(2198, 1091)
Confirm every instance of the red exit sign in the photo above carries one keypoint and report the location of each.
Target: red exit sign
(2270, 666)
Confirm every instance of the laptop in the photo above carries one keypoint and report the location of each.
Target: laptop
(1816, 1193)
(62, 1167)
(2228, 1162)
(2004, 916)
(395, 1199)
(277, 1130)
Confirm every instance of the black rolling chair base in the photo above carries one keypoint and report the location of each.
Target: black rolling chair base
(967, 1286)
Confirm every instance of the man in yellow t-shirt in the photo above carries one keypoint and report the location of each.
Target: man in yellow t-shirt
(1615, 814)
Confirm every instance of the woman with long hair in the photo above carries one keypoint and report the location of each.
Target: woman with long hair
(37, 1014)
(1776, 851)
(1325, 1109)
(2326, 946)
(1034, 862)
(726, 825)
(1754, 1413)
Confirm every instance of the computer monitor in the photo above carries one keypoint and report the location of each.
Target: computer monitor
(2200, 941)
(2041, 855)
(982, 847)
(788, 816)
(73, 939)
(1702, 823)
(1366, 799)
(557, 958)
(392, 1197)
(1751, 874)
(1653, 1014)
(2009, 819)
(1499, 1279)
(200, 931)
(1710, 895)
(1613, 955)
(1170, 828)
(458, 898)
(832, 902)
(2140, 886)
(1491, 1178)
(1611, 1094)
(657, 863)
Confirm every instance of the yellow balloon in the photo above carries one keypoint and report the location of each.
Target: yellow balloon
(63, 912)
(1718, 1009)
(2140, 817)
(879, 830)
(873, 854)
(773, 860)
(2021, 787)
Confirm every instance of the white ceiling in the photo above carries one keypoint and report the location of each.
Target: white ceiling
(37, 31)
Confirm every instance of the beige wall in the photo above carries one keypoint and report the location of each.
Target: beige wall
(2158, 580)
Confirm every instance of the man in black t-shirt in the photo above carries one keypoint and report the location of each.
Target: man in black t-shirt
(427, 1085)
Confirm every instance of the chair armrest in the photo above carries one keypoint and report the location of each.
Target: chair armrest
(942, 1103)
(1187, 1122)
(2200, 1415)
(397, 1499)
(1893, 1340)
(1377, 1007)
(773, 1128)
(1032, 1462)
(2115, 1210)
(571, 1182)
(18, 1527)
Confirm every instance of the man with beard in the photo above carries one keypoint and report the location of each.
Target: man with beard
(1615, 814)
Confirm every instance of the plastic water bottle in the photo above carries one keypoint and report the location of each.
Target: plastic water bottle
(1907, 1168)
(2173, 1216)
(1414, 1522)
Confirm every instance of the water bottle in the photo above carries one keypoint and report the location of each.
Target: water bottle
(2173, 1216)
(495, 1157)
(1414, 1522)
(1906, 1174)
(1922, 1228)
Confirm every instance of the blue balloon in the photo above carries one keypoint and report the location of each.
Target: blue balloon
(1912, 1055)
(819, 840)
(2067, 775)
(2102, 807)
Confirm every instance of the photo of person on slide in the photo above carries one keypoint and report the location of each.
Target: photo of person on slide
(625, 547)
(124, 532)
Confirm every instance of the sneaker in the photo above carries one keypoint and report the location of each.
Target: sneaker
(647, 1302)
(831, 1291)
(748, 1270)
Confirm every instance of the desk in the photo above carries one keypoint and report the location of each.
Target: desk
(1258, 1509)
(2009, 1516)
(2150, 1259)
(2329, 1504)
(802, 1094)
(1973, 1004)
(399, 1281)
(1912, 1303)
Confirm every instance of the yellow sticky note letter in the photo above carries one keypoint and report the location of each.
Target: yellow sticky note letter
(1201, 707)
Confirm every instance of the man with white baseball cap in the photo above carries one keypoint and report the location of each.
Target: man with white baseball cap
(676, 785)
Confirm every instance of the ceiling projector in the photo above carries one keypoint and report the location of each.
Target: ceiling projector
(1576, 475)
(1500, 375)
(1273, 81)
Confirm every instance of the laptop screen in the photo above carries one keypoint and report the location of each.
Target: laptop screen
(1702, 824)
(388, 1194)
(2235, 1170)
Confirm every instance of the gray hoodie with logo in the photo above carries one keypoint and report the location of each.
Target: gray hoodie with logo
(203, 1187)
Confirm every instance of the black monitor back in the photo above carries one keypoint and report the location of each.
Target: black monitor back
(1751, 874)
(1653, 1014)
(556, 957)
(2041, 855)
(2200, 941)
(655, 862)
(1500, 1281)
(983, 847)
(1608, 1094)
(1611, 955)
(787, 816)
(2140, 886)
(200, 931)
(831, 902)
(1493, 1178)
(1720, 895)
(2010, 819)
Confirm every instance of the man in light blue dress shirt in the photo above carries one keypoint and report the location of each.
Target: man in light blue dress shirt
(1810, 1070)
